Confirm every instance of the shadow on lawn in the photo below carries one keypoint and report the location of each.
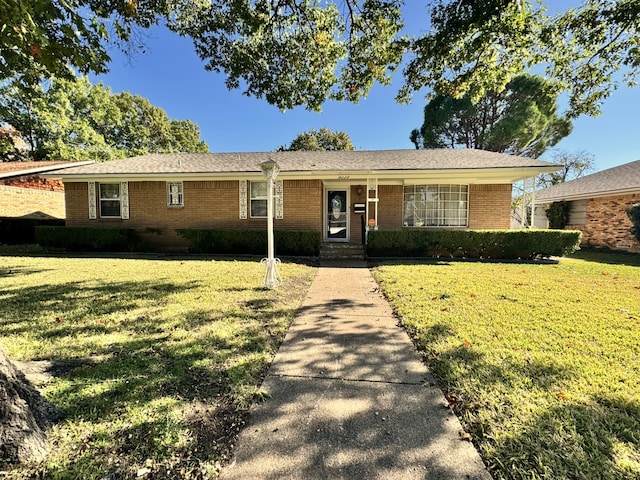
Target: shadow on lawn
(573, 439)
(167, 376)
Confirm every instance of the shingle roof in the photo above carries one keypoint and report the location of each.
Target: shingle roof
(307, 161)
(617, 180)
(18, 169)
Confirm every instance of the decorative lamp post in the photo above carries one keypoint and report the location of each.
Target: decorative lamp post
(270, 169)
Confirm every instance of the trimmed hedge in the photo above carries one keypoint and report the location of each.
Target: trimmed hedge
(20, 231)
(252, 242)
(495, 244)
(88, 239)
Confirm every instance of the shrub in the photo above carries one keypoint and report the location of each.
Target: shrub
(558, 214)
(634, 215)
(252, 242)
(497, 244)
(88, 239)
(16, 231)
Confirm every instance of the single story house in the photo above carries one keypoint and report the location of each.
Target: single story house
(598, 205)
(25, 193)
(334, 192)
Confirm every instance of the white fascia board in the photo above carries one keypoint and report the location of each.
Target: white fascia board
(462, 176)
(586, 196)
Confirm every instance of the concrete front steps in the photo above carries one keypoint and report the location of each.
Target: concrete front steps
(338, 251)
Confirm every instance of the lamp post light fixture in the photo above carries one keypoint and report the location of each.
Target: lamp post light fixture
(270, 169)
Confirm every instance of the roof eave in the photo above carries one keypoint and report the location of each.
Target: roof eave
(507, 174)
(587, 195)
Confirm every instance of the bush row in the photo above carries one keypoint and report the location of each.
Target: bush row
(20, 231)
(252, 242)
(497, 244)
(88, 239)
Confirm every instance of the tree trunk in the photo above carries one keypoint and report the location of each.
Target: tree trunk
(24, 417)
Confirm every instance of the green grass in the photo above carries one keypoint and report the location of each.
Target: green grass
(155, 360)
(540, 361)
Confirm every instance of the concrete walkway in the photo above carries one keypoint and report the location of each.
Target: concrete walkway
(350, 397)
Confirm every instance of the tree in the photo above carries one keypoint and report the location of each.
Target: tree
(521, 120)
(574, 165)
(24, 416)
(295, 52)
(75, 120)
(317, 140)
(478, 46)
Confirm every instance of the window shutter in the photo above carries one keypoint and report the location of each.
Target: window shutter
(92, 201)
(243, 199)
(279, 204)
(124, 200)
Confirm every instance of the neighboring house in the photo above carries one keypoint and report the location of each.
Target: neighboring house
(334, 192)
(598, 205)
(25, 193)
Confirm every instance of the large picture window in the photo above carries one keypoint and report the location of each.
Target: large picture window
(258, 197)
(110, 199)
(435, 206)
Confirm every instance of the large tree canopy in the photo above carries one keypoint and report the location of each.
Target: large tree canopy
(521, 120)
(318, 140)
(302, 52)
(75, 120)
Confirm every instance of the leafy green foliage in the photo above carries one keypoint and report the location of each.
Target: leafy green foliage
(540, 362)
(558, 214)
(319, 140)
(88, 239)
(295, 52)
(252, 242)
(75, 120)
(634, 215)
(45, 38)
(494, 244)
(153, 362)
(478, 46)
(520, 120)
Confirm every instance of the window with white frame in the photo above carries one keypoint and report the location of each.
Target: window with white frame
(175, 195)
(435, 206)
(110, 200)
(258, 197)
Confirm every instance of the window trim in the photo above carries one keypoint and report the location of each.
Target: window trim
(118, 199)
(441, 210)
(261, 198)
(180, 194)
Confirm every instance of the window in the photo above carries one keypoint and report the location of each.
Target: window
(110, 200)
(435, 206)
(175, 197)
(258, 199)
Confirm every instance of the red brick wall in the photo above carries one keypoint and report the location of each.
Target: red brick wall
(215, 204)
(20, 202)
(490, 206)
(207, 204)
(34, 182)
(607, 223)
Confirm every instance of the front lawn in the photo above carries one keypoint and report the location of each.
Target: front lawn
(153, 362)
(540, 361)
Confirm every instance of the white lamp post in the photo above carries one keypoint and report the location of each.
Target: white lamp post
(270, 169)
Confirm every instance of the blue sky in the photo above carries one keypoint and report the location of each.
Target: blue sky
(172, 77)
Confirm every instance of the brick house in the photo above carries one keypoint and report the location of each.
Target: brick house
(598, 205)
(334, 192)
(24, 192)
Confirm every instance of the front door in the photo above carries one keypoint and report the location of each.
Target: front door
(337, 218)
